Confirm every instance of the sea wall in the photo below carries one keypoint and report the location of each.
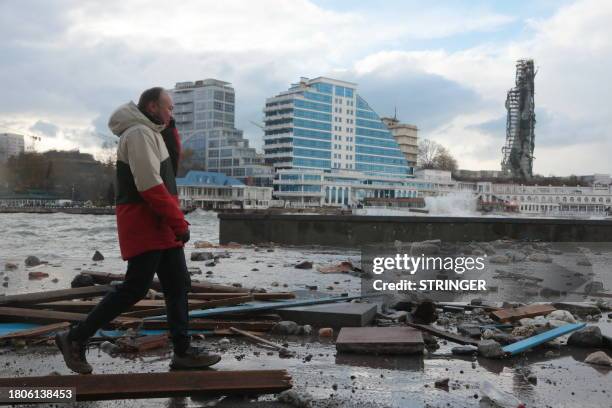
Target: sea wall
(353, 231)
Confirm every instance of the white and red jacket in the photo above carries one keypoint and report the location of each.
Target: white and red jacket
(148, 213)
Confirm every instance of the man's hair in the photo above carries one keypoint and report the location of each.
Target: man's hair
(150, 95)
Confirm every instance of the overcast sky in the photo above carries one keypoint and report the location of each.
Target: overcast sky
(446, 67)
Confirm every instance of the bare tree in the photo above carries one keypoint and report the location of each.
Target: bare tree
(444, 160)
(432, 155)
(428, 149)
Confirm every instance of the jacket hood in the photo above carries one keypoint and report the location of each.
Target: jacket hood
(128, 115)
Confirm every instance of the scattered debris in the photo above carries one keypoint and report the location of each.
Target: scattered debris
(304, 265)
(326, 332)
(37, 275)
(513, 314)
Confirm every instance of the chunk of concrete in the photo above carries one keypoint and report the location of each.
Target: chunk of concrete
(599, 358)
(331, 315)
(380, 340)
(490, 349)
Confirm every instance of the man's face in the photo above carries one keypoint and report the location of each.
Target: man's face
(162, 109)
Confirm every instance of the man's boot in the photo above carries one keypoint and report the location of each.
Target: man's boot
(74, 353)
(194, 358)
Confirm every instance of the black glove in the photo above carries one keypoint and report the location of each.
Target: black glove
(184, 238)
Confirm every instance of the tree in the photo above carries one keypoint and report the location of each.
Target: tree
(444, 160)
(427, 151)
(432, 155)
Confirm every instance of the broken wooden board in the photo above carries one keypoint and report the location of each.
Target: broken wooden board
(54, 295)
(142, 343)
(541, 338)
(36, 331)
(331, 315)
(18, 314)
(455, 338)
(380, 340)
(196, 287)
(85, 306)
(256, 296)
(193, 305)
(264, 306)
(518, 313)
(97, 387)
(211, 324)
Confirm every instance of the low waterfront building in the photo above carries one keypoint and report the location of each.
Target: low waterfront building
(213, 191)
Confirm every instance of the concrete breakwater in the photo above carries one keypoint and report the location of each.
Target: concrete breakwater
(353, 231)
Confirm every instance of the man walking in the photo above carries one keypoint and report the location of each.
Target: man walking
(152, 231)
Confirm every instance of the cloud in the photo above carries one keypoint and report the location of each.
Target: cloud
(71, 63)
(46, 128)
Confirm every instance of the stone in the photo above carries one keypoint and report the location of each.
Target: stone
(274, 284)
(10, 266)
(469, 330)
(203, 244)
(81, 281)
(490, 349)
(599, 358)
(562, 315)
(590, 336)
(584, 262)
(286, 327)
(499, 259)
(224, 343)
(32, 261)
(304, 265)
(210, 263)
(464, 350)
(306, 330)
(296, 399)
(516, 256)
(201, 256)
(97, 256)
(540, 257)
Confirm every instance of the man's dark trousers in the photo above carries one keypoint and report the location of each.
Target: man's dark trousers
(171, 269)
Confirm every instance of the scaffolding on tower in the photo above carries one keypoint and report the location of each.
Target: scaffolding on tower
(517, 153)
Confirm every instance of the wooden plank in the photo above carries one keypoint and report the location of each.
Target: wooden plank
(194, 305)
(143, 343)
(211, 324)
(54, 295)
(18, 314)
(265, 306)
(256, 296)
(97, 387)
(549, 335)
(455, 338)
(196, 287)
(514, 314)
(36, 332)
(380, 340)
(258, 339)
(85, 306)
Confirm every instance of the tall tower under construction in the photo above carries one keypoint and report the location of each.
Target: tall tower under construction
(520, 123)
